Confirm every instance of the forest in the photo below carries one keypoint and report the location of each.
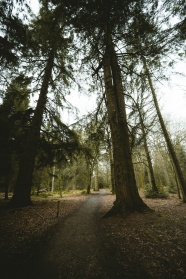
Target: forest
(125, 144)
(125, 152)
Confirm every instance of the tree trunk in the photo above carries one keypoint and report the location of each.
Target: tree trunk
(89, 182)
(112, 171)
(176, 179)
(170, 147)
(96, 188)
(53, 178)
(6, 188)
(110, 153)
(38, 188)
(151, 172)
(22, 190)
(127, 196)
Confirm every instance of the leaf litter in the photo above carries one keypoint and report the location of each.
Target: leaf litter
(153, 244)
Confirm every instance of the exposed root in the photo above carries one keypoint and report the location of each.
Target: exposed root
(124, 212)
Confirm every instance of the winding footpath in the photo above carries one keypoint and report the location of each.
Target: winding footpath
(75, 250)
(77, 247)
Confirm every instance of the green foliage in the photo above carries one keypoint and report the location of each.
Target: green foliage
(103, 181)
(128, 20)
(76, 175)
(46, 194)
(67, 191)
(173, 190)
(58, 143)
(84, 192)
(12, 34)
(14, 122)
(161, 194)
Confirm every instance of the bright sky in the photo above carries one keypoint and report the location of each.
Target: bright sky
(172, 99)
(34, 5)
(173, 94)
(174, 104)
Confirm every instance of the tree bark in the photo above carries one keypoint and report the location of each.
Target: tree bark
(89, 183)
(96, 188)
(22, 190)
(6, 188)
(110, 153)
(170, 147)
(127, 196)
(176, 179)
(151, 172)
(112, 170)
(53, 177)
(149, 161)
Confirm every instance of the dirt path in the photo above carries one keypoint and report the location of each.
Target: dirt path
(75, 249)
(34, 244)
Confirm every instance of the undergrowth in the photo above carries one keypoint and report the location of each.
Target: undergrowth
(151, 194)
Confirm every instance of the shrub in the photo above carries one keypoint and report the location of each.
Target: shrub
(151, 194)
(83, 192)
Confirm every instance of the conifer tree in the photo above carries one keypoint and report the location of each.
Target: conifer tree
(47, 49)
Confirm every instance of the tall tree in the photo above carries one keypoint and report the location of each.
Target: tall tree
(177, 8)
(169, 143)
(49, 46)
(151, 44)
(127, 197)
(107, 18)
(139, 108)
(13, 32)
(14, 120)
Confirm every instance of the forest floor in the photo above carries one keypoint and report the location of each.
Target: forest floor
(35, 244)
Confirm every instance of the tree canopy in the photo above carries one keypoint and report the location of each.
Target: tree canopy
(122, 48)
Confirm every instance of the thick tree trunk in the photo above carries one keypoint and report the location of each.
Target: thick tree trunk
(127, 196)
(22, 191)
(170, 147)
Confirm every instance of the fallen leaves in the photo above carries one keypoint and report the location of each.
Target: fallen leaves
(18, 226)
(155, 241)
(153, 244)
